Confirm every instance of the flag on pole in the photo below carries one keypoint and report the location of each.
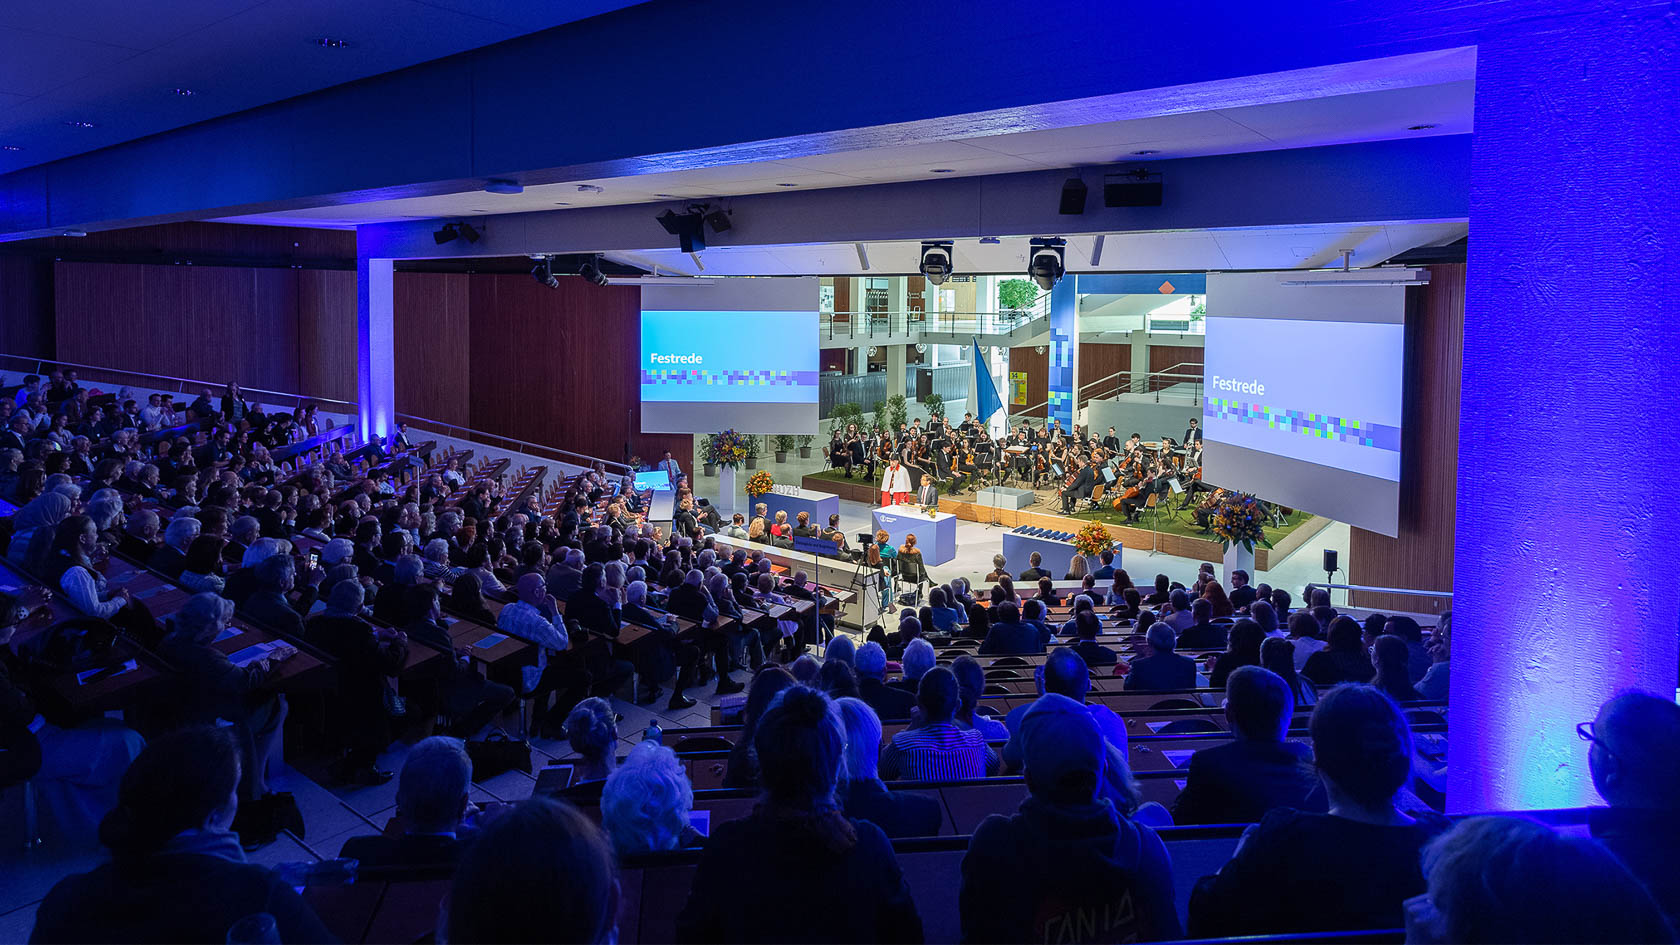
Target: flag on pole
(985, 391)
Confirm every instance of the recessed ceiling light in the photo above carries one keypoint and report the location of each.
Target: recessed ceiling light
(333, 42)
(943, 170)
(183, 92)
(1419, 127)
(1147, 151)
(80, 124)
(10, 147)
(989, 240)
(787, 185)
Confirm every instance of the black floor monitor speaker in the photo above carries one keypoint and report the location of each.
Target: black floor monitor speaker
(1330, 561)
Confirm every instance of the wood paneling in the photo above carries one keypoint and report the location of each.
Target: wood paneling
(326, 332)
(432, 346)
(1099, 361)
(1037, 367)
(103, 317)
(26, 316)
(558, 367)
(1421, 557)
(180, 242)
(1186, 359)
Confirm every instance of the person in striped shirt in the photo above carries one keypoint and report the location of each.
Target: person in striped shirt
(937, 749)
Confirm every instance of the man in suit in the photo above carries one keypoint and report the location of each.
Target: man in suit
(1035, 569)
(1160, 668)
(1105, 572)
(1241, 593)
(1009, 636)
(928, 495)
(1201, 635)
(431, 800)
(1193, 435)
(888, 702)
(1084, 480)
(1238, 782)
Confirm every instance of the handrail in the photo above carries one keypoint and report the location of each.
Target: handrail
(1128, 386)
(523, 446)
(1387, 590)
(43, 366)
(855, 325)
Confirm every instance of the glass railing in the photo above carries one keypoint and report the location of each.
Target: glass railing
(854, 326)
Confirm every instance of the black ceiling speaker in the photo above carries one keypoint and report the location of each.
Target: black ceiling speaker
(1136, 188)
(688, 228)
(1073, 197)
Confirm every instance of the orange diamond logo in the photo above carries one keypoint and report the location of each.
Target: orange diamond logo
(1166, 288)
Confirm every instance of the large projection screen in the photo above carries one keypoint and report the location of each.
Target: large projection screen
(1302, 395)
(738, 353)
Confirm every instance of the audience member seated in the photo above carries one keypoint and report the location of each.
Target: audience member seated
(1306, 634)
(592, 730)
(1202, 634)
(177, 873)
(70, 565)
(1278, 655)
(919, 657)
(1434, 684)
(887, 701)
(1088, 626)
(1067, 857)
(796, 840)
(1066, 675)
(645, 802)
(1393, 661)
(1506, 879)
(542, 872)
(1343, 658)
(936, 748)
(462, 694)
(1010, 636)
(1179, 616)
(1238, 782)
(1636, 769)
(766, 685)
(171, 557)
(366, 658)
(1243, 650)
(1160, 668)
(862, 794)
(431, 804)
(1350, 868)
(971, 682)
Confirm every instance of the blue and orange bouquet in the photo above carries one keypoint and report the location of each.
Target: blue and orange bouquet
(726, 449)
(1092, 540)
(1238, 520)
(759, 484)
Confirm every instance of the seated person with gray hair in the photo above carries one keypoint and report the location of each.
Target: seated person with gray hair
(140, 536)
(431, 804)
(592, 730)
(388, 603)
(889, 702)
(1160, 668)
(862, 794)
(919, 657)
(1239, 781)
(1634, 757)
(645, 802)
(171, 559)
(244, 532)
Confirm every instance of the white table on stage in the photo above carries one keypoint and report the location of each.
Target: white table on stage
(936, 534)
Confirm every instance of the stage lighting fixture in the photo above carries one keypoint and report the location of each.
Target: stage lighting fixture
(1133, 188)
(590, 269)
(1046, 264)
(1073, 197)
(445, 234)
(718, 220)
(688, 228)
(543, 272)
(936, 262)
(469, 232)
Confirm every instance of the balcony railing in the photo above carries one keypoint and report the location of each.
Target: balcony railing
(864, 326)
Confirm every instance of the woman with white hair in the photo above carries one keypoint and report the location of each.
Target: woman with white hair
(646, 801)
(107, 514)
(862, 794)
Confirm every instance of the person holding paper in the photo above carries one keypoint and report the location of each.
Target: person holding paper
(895, 484)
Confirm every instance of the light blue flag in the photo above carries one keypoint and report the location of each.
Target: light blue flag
(986, 391)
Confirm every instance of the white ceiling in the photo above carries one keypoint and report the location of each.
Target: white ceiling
(1310, 122)
(116, 62)
(1275, 247)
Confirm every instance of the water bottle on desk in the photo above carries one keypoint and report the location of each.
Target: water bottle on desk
(653, 733)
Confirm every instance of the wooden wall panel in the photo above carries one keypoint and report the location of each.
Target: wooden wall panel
(1099, 361)
(26, 308)
(326, 330)
(1421, 557)
(558, 367)
(1037, 367)
(103, 317)
(432, 345)
(1184, 358)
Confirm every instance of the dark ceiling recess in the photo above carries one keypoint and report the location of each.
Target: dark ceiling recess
(565, 264)
(1454, 252)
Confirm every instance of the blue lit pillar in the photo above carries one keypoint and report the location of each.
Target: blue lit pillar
(1568, 526)
(376, 385)
(1064, 351)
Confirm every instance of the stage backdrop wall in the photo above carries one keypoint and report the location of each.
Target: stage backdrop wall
(1421, 555)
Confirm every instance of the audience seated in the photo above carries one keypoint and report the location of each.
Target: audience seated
(1010, 636)
(1067, 859)
(936, 748)
(767, 684)
(1202, 634)
(1243, 650)
(797, 840)
(862, 794)
(1343, 658)
(971, 682)
(541, 872)
(431, 804)
(1506, 879)
(1160, 668)
(887, 701)
(1636, 768)
(366, 658)
(645, 802)
(177, 872)
(1238, 782)
(1350, 868)
(1393, 677)
(592, 730)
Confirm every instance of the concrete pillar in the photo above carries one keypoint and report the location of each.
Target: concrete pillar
(1562, 600)
(895, 369)
(376, 376)
(1140, 358)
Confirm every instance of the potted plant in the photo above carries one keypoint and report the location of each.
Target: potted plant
(755, 449)
(784, 442)
(935, 405)
(805, 440)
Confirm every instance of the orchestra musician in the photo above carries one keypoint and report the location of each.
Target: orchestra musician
(1136, 496)
(1193, 435)
(1078, 485)
(895, 483)
(1111, 441)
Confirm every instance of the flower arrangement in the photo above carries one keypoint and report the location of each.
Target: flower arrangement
(759, 484)
(1092, 540)
(728, 449)
(1237, 520)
